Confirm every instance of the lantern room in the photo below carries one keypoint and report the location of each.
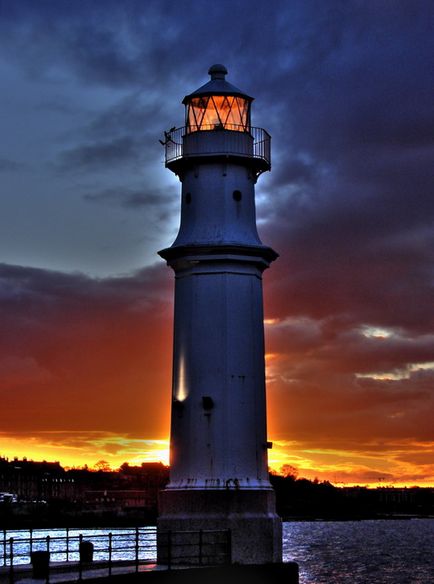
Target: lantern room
(217, 105)
(217, 127)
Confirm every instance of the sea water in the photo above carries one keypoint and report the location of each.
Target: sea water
(362, 552)
(328, 552)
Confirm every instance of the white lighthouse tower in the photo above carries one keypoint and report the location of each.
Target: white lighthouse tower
(218, 465)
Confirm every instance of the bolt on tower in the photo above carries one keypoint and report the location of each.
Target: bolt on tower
(218, 444)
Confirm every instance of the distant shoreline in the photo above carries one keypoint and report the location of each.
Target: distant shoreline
(81, 523)
(382, 517)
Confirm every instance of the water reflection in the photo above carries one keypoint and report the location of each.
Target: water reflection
(352, 552)
(64, 544)
(361, 552)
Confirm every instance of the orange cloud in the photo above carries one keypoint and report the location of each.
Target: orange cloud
(86, 375)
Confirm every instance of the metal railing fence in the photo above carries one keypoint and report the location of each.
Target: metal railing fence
(134, 547)
(121, 544)
(113, 549)
(174, 141)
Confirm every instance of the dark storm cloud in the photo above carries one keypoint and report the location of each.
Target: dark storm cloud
(126, 199)
(7, 165)
(365, 348)
(60, 33)
(353, 218)
(100, 155)
(122, 134)
(18, 283)
(126, 132)
(138, 113)
(351, 212)
(162, 203)
(118, 46)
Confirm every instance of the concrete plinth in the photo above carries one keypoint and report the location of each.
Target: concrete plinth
(255, 530)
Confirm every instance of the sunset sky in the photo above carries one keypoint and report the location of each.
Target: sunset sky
(345, 88)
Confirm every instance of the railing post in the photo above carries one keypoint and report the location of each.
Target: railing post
(80, 567)
(67, 544)
(110, 535)
(31, 541)
(229, 546)
(169, 549)
(137, 549)
(11, 560)
(4, 547)
(48, 552)
(200, 546)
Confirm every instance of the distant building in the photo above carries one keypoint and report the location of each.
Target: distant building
(35, 481)
(118, 500)
(132, 486)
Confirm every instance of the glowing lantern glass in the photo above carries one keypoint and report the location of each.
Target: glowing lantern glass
(218, 112)
(218, 105)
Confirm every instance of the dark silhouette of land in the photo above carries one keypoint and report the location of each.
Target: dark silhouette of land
(44, 494)
(299, 498)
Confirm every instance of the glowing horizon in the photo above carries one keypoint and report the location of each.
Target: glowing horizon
(136, 451)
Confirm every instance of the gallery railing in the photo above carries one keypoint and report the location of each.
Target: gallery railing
(174, 142)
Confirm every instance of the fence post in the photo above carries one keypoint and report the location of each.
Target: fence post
(67, 544)
(4, 547)
(169, 549)
(110, 535)
(80, 566)
(31, 541)
(48, 552)
(11, 560)
(200, 546)
(229, 546)
(137, 549)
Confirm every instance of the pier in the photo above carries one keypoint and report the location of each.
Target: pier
(131, 556)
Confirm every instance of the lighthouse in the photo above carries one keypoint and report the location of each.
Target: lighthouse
(218, 444)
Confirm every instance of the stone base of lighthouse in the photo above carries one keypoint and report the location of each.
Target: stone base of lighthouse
(218, 526)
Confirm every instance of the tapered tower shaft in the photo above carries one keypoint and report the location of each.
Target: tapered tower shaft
(219, 471)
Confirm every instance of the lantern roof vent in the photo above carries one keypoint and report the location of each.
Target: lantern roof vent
(217, 71)
(217, 86)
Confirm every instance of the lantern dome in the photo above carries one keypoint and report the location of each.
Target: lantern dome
(217, 105)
